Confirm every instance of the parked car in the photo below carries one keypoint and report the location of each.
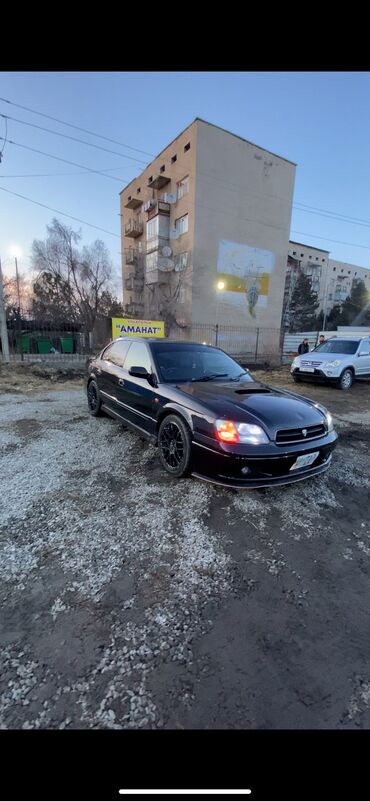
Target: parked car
(339, 360)
(207, 415)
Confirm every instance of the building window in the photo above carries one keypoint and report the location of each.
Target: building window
(294, 252)
(301, 255)
(129, 198)
(342, 271)
(322, 259)
(151, 262)
(162, 169)
(174, 158)
(138, 190)
(334, 269)
(181, 262)
(150, 179)
(182, 187)
(152, 228)
(187, 147)
(182, 294)
(182, 224)
(317, 258)
(349, 272)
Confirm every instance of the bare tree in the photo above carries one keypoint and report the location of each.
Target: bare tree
(163, 299)
(71, 281)
(11, 291)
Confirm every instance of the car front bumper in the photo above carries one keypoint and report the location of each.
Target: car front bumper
(270, 469)
(317, 375)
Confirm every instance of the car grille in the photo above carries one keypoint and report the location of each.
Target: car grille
(309, 363)
(289, 435)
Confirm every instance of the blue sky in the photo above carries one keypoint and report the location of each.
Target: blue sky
(321, 121)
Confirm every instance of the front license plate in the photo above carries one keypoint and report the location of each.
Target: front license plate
(305, 460)
(307, 369)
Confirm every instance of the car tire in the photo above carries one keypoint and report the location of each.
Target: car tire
(174, 446)
(93, 399)
(346, 380)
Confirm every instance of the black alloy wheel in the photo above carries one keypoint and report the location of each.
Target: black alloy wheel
(174, 444)
(93, 399)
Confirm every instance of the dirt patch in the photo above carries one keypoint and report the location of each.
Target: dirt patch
(22, 377)
(132, 600)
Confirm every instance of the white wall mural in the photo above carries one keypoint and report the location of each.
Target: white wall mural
(246, 273)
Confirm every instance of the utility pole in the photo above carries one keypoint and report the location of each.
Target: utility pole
(3, 328)
(19, 320)
(325, 296)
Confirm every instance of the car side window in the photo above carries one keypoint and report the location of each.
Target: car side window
(116, 352)
(364, 347)
(138, 356)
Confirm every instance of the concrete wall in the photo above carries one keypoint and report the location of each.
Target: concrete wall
(243, 200)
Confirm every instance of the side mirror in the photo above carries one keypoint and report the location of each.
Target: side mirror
(139, 372)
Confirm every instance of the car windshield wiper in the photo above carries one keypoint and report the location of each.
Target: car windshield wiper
(210, 377)
(237, 377)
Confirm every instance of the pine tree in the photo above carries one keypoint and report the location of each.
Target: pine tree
(303, 305)
(336, 317)
(355, 305)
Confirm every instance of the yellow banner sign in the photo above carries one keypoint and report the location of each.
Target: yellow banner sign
(137, 328)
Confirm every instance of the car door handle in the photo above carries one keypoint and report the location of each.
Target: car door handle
(121, 382)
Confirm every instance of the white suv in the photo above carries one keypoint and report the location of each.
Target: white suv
(339, 360)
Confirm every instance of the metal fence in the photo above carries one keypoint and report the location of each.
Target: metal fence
(30, 338)
(252, 344)
(47, 341)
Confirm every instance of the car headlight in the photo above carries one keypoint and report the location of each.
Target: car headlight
(296, 362)
(335, 363)
(329, 421)
(228, 431)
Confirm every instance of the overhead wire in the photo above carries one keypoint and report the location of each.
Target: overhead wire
(76, 127)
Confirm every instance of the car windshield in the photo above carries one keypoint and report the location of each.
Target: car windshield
(338, 346)
(185, 362)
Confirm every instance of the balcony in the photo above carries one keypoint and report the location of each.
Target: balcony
(156, 277)
(133, 203)
(134, 228)
(156, 242)
(159, 181)
(132, 256)
(133, 308)
(133, 283)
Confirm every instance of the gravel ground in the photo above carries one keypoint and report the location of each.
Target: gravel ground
(130, 599)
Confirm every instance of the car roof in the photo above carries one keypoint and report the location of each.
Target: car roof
(350, 338)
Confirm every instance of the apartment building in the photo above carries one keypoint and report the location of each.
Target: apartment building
(211, 210)
(340, 278)
(331, 279)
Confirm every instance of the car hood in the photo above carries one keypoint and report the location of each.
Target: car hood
(318, 358)
(255, 402)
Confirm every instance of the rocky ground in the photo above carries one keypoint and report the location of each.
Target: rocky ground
(130, 599)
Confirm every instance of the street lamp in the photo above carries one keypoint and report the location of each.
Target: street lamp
(220, 286)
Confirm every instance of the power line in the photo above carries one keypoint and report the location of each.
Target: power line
(345, 218)
(53, 174)
(73, 138)
(337, 213)
(76, 127)
(57, 211)
(65, 161)
(338, 241)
